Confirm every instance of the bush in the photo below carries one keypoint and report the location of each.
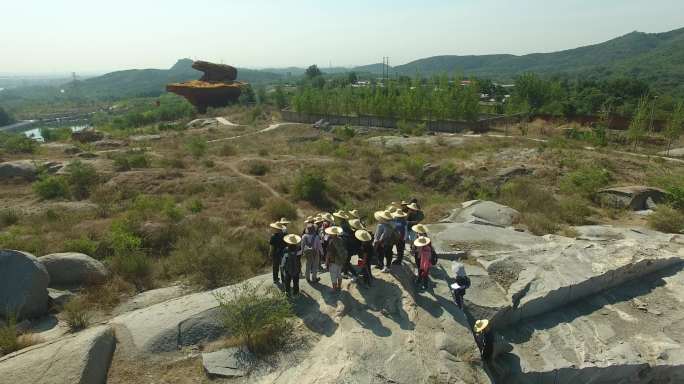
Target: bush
(227, 150)
(11, 340)
(51, 187)
(8, 217)
(82, 245)
(375, 176)
(196, 206)
(278, 208)
(129, 160)
(310, 185)
(55, 134)
(574, 211)
(134, 267)
(254, 200)
(260, 318)
(197, 147)
(81, 178)
(257, 168)
(585, 181)
(76, 315)
(667, 219)
(17, 143)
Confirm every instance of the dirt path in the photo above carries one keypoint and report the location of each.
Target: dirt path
(267, 129)
(224, 121)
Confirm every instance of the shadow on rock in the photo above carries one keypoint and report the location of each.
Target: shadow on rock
(308, 309)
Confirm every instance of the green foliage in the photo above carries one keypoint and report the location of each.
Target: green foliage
(129, 160)
(81, 245)
(586, 180)
(254, 200)
(247, 95)
(17, 143)
(667, 219)
(76, 315)
(257, 168)
(675, 126)
(279, 97)
(134, 267)
(8, 217)
(443, 179)
(227, 150)
(639, 123)
(197, 147)
(345, 133)
(277, 208)
(196, 206)
(55, 134)
(171, 108)
(51, 187)
(313, 71)
(5, 118)
(82, 178)
(411, 129)
(310, 185)
(260, 317)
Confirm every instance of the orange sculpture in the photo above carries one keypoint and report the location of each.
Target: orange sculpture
(216, 88)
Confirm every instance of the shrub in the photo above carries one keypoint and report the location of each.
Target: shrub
(257, 168)
(8, 217)
(574, 211)
(197, 147)
(76, 315)
(55, 134)
(17, 143)
(310, 185)
(263, 152)
(81, 178)
(260, 318)
(129, 160)
(51, 187)
(254, 200)
(209, 163)
(11, 340)
(442, 179)
(134, 267)
(227, 150)
(540, 224)
(81, 245)
(173, 163)
(345, 133)
(375, 176)
(196, 206)
(585, 181)
(278, 208)
(667, 219)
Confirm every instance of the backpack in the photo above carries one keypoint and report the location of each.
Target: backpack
(307, 249)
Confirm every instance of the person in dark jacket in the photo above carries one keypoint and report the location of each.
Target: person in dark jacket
(277, 245)
(348, 238)
(484, 337)
(290, 264)
(366, 254)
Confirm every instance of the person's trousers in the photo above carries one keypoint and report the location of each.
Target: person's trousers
(388, 255)
(276, 267)
(348, 268)
(311, 267)
(366, 272)
(291, 284)
(401, 246)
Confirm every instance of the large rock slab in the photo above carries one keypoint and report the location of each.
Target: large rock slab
(23, 285)
(71, 268)
(484, 212)
(19, 169)
(229, 362)
(630, 334)
(81, 358)
(450, 239)
(400, 141)
(636, 197)
(524, 283)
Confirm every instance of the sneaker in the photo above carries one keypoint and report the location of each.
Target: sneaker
(385, 270)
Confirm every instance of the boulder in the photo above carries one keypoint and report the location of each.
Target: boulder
(108, 143)
(505, 174)
(139, 138)
(636, 197)
(201, 123)
(398, 141)
(23, 285)
(674, 152)
(73, 268)
(81, 358)
(19, 169)
(216, 88)
(485, 213)
(87, 135)
(229, 362)
(59, 298)
(215, 72)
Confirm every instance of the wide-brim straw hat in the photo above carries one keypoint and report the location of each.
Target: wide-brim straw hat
(277, 225)
(334, 231)
(413, 207)
(481, 325)
(328, 217)
(391, 208)
(422, 241)
(318, 220)
(284, 221)
(355, 213)
(292, 239)
(420, 228)
(309, 219)
(382, 215)
(363, 235)
(399, 214)
(341, 215)
(356, 224)
(404, 202)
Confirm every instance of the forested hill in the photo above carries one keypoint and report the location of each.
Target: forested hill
(653, 57)
(152, 82)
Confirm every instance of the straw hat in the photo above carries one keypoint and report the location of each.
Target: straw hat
(354, 213)
(419, 228)
(421, 241)
(481, 325)
(404, 202)
(399, 214)
(395, 203)
(382, 215)
(318, 219)
(391, 208)
(327, 217)
(309, 219)
(277, 225)
(363, 235)
(292, 239)
(334, 231)
(341, 215)
(284, 221)
(413, 207)
(355, 224)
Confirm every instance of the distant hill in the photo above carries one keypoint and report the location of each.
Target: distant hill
(653, 57)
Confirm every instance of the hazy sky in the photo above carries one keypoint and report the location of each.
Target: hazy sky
(94, 35)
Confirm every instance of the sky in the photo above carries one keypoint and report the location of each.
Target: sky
(91, 36)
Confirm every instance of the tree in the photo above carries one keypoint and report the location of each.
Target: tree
(352, 78)
(675, 126)
(5, 118)
(313, 71)
(279, 97)
(247, 95)
(639, 124)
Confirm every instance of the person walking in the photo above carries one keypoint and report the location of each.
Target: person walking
(291, 264)
(427, 260)
(399, 222)
(336, 256)
(418, 230)
(458, 289)
(415, 217)
(284, 222)
(277, 246)
(366, 254)
(383, 239)
(348, 238)
(484, 337)
(312, 250)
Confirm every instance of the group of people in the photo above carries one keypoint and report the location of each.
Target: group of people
(330, 240)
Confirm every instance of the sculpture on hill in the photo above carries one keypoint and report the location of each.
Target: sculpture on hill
(216, 88)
